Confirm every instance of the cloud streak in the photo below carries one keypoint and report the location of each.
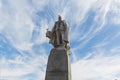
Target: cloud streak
(19, 67)
(99, 67)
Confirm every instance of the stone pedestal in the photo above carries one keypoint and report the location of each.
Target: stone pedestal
(58, 67)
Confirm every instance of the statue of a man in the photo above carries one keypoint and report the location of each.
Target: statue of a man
(59, 34)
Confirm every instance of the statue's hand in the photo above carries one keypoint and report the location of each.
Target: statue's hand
(48, 34)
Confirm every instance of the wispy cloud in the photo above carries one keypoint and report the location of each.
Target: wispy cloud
(16, 20)
(99, 67)
(20, 66)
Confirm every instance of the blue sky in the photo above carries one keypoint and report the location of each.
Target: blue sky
(94, 38)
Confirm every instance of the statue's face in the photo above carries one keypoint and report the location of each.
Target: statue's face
(59, 18)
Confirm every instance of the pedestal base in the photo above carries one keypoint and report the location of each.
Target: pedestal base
(58, 67)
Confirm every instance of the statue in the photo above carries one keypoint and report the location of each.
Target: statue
(58, 65)
(59, 34)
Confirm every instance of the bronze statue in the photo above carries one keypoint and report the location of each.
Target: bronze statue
(59, 34)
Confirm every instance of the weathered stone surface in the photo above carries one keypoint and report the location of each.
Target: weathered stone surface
(58, 67)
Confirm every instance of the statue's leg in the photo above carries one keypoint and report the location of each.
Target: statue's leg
(61, 41)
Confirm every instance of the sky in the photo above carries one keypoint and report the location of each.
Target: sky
(94, 38)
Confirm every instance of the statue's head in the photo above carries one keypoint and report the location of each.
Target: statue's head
(59, 18)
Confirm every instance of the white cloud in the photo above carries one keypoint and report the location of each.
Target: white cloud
(116, 50)
(42, 37)
(16, 21)
(19, 67)
(99, 67)
(101, 8)
(115, 12)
